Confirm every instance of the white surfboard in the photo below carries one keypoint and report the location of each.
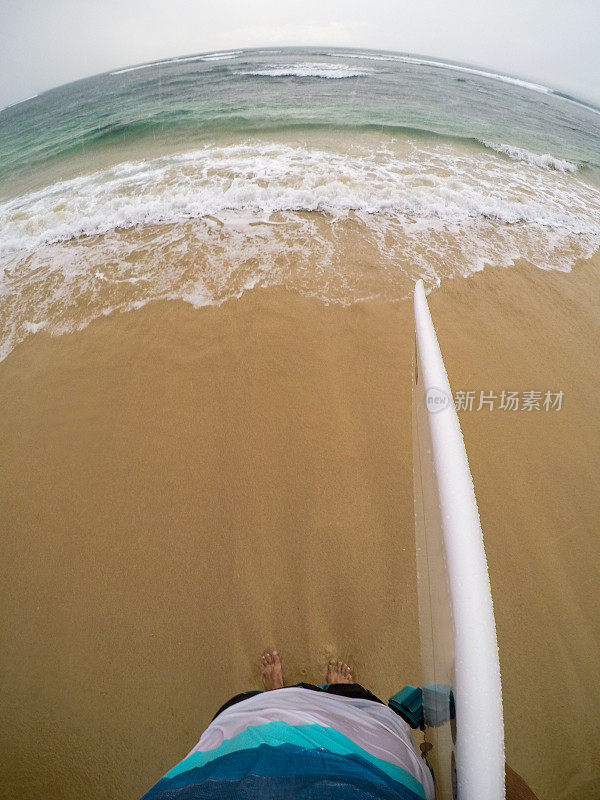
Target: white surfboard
(459, 652)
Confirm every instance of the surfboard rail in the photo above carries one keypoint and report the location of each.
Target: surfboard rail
(459, 652)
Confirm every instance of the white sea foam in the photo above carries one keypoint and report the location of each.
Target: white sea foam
(34, 327)
(207, 225)
(545, 160)
(308, 70)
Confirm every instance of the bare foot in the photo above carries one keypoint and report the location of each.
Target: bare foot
(339, 672)
(271, 671)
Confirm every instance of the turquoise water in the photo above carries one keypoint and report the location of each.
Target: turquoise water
(344, 175)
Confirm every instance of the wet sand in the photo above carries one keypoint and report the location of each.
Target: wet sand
(183, 488)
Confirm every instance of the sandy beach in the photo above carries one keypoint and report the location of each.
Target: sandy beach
(184, 488)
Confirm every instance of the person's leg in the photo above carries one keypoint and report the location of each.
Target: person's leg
(341, 682)
(271, 670)
(271, 673)
(338, 672)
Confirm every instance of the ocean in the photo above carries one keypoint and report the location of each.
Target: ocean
(344, 175)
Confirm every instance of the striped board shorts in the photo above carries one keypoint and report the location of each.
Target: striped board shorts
(295, 743)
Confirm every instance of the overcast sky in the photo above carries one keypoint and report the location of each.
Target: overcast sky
(44, 43)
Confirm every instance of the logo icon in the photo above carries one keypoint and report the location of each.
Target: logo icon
(437, 400)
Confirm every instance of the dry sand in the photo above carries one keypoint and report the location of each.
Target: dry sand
(182, 489)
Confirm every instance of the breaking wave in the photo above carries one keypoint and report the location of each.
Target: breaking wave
(181, 60)
(545, 160)
(429, 62)
(334, 71)
(433, 182)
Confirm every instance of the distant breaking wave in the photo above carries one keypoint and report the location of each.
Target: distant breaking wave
(536, 87)
(182, 60)
(307, 71)
(18, 102)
